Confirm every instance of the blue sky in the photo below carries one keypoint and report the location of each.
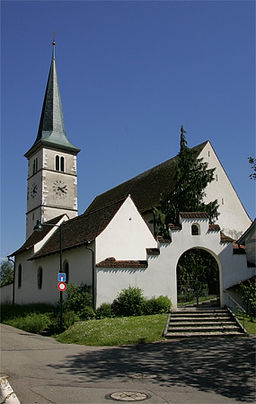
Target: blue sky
(130, 73)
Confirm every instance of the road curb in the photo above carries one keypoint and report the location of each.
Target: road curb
(7, 395)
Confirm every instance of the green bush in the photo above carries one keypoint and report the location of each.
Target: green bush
(68, 319)
(104, 311)
(130, 302)
(33, 322)
(249, 297)
(87, 313)
(157, 305)
(77, 299)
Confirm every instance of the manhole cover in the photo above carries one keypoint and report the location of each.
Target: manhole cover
(128, 396)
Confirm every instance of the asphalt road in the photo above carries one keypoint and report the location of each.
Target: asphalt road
(193, 371)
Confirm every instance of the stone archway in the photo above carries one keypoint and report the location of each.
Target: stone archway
(198, 278)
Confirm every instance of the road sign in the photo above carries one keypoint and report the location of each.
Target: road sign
(62, 277)
(62, 286)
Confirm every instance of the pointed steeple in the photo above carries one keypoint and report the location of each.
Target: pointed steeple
(52, 130)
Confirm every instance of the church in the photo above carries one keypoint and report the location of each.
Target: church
(112, 245)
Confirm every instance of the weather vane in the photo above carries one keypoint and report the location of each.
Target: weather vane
(53, 38)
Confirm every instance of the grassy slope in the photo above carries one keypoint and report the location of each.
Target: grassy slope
(116, 331)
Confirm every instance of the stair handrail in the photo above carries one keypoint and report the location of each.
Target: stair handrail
(237, 305)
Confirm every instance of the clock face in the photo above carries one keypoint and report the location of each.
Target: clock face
(60, 188)
(34, 189)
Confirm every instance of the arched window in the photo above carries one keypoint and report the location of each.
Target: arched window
(19, 276)
(195, 229)
(66, 271)
(57, 163)
(62, 164)
(40, 278)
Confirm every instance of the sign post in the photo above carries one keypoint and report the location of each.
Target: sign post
(62, 287)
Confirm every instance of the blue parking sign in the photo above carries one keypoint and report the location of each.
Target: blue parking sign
(61, 277)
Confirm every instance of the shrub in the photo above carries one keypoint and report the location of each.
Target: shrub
(68, 319)
(104, 311)
(129, 302)
(78, 298)
(249, 297)
(87, 313)
(33, 322)
(157, 305)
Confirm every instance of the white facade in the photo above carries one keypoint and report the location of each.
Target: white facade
(126, 236)
(233, 219)
(160, 278)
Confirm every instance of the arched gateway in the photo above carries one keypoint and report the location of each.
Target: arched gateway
(198, 278)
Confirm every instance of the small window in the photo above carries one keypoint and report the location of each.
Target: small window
(62, 164)
(217, 179)
(35, 165)
(66, 271)
(195, 230)
(57, 163)
(19, 276)
(209, 153)
(222, 201)
(40, 278)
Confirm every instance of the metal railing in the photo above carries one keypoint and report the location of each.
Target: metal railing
(234, 305)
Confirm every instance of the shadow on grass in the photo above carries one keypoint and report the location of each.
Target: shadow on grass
(224, 366)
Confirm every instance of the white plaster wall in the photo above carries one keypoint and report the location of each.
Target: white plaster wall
(80, 271)
(233, 219)
(155, 280)
(160, 276)
(6, 293)
(126, 237)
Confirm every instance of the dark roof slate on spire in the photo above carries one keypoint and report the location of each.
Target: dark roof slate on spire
(52, 130)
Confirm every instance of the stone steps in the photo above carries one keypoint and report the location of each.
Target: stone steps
(202, 322)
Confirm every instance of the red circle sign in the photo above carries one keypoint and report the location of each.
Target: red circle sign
(62, 286)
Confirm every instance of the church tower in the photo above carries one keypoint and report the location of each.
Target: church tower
(52, 172)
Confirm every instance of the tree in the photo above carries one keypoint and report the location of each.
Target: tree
(252, 161)
(191, 178)
(6, 273)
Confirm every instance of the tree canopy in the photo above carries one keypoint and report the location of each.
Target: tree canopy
(6, 273)
(191, 178)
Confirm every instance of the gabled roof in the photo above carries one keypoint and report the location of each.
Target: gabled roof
(36, 236)
(79, 230)
(242, 239)
(52, 130)
(146, 188)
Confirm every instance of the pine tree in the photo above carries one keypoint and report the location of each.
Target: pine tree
(191, 178)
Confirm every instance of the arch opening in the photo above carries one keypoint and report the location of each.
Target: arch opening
(198, 278)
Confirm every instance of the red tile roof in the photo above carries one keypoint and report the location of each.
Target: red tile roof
(79, 230)
(112, 263)
(146, 188)
(194, 215)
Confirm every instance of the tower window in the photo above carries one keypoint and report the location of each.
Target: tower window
(217, 177)
(62, 164)
(40, 278)
(195, 229)
(57, 163)
(209, 153)
(35, 165)
(222, 201)
(19, 276)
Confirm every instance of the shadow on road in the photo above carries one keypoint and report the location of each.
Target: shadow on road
(224, 366)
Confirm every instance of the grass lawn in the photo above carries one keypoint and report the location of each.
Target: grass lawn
(116, 331)
(249, 325)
